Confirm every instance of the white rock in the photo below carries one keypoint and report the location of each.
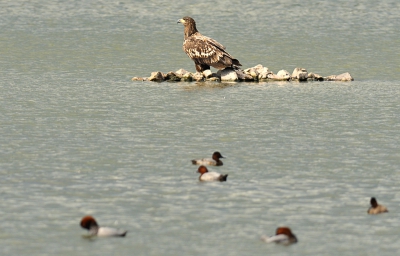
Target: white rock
(187, 77)
(207, 73)
(345, 77)
(198, 76)
(181, 72)
(300, 73)
(264, 70)
(263, 74)
(254, 73)
(228, 74)
(283, 74)
(156, 77)
(242, 76)
(258, 68)
(342, 77)
(139, 78)
(251, 72)
(274, 77)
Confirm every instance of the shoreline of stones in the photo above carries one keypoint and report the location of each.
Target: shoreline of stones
(257, 73)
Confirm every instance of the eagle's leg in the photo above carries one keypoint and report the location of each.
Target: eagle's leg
(201, 67)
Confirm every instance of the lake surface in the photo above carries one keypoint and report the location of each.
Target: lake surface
(78, 137)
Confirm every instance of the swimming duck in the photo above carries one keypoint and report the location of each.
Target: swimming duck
(89, 223)
(283, 236)
(208, 161)
(210, 176)
(376, 208)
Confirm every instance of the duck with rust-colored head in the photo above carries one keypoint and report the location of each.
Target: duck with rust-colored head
(89, 223)
(205, 175)
(283, 235)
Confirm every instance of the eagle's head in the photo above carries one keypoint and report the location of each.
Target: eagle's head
(187, 21)
(190, 26)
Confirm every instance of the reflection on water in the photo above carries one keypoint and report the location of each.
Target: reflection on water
(206, 85)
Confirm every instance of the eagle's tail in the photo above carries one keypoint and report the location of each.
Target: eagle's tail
(236, 62)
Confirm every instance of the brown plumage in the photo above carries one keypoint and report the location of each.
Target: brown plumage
(204, 51)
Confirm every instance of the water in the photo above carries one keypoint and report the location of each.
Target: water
(78, 137)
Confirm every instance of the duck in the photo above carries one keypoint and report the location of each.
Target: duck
(283, 235)
(89, 223)
(210, 176)
(376, 208)
(215, 160)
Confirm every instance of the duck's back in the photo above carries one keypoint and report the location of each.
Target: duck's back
(212, 176)
(377, 210)
(105, 231)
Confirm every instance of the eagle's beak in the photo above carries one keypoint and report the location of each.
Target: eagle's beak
(181, 21)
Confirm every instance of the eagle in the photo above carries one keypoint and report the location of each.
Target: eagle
(204, 51)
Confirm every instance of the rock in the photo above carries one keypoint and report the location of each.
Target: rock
(303, 76)
(252, 72)
(342, 77)
(171, 76)
(207, 73)
(248, 78)
(330, 78)
(300, 73)
(274, 77)
(263, 73)
(234, 74)
(243, 76)
(214, 78)
(345, 77)
(139, 78)
(314, 77)
(181, 72)
(259, 68)
(283, 74)
(258, 72)
(156, 77)
(228, 74)
(296, 72)
(198, 76)
(187, 77)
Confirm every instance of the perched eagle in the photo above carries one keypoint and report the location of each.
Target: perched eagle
(204, 51)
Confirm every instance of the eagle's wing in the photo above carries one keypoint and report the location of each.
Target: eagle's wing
(204, 50)
(213, 42)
